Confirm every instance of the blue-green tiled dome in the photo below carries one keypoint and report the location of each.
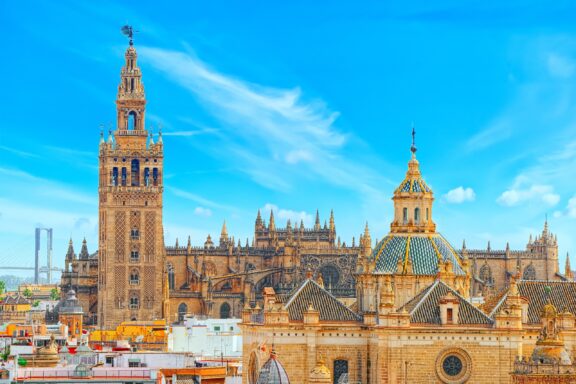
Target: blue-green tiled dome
(414, 185)
(423, 252)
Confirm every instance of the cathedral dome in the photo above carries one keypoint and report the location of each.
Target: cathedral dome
(550, 354)
(272, 372)
(416, 254)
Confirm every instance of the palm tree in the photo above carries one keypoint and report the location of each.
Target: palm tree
(54, 294)
(27, 293)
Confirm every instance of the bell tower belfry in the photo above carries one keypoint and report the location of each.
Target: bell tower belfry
(131, 248)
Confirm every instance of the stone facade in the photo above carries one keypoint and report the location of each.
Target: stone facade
(413, 321)
(131, 253)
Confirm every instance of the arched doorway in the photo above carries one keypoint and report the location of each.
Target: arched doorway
(225, 311)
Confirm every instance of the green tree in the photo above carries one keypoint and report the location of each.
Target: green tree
(36, 303)
(2, 287)
(27, 293)
(54, 294)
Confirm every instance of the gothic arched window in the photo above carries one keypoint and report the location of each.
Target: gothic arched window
(170, 276)
(225, 311)
(135, 174)
(182, 310)
(124, 176)
(330, 276)
(529, 273)
(134, 277)
(115, 176)
(155, 176)
(146, 176)
(134, 302)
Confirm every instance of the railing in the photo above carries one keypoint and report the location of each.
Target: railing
(131, 132)
(71, 373)
(527, 368)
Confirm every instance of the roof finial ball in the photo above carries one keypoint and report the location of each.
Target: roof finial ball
(413, 148)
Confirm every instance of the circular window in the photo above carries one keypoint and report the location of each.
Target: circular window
(453, 366)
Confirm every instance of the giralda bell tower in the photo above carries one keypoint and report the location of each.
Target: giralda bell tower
(132, 257)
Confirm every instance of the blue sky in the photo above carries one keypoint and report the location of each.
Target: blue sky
(297, 106)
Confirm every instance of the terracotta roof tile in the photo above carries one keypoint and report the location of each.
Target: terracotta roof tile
(424, 308)
(330, 308)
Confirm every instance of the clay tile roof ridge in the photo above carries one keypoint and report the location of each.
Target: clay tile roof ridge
(423, 299)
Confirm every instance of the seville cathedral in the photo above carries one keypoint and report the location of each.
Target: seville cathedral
(411, 309)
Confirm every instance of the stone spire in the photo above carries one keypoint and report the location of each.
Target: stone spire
(567, 269)
(258, 220)
(272, 224)
(84, 251)
(223, 233)
(70, 255)
(332, 225)
(317, 222)
(366, 241)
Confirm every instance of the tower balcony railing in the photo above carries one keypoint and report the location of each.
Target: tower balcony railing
(131, 132)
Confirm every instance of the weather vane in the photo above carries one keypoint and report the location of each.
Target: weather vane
(413, 147)
(128, 31)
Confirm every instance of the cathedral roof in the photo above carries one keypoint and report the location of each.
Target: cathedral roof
(561, 294)
(424, 308)
(330, 308)
(272, 372)
(396, 253)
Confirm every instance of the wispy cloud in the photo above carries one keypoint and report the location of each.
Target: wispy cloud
(42, 187)
(201, 211)
(496, 132)
(525, 192)
(191, 133)
(18, 152)
(460, 195)
(198, 199)
(269, 131)
(287, 214)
